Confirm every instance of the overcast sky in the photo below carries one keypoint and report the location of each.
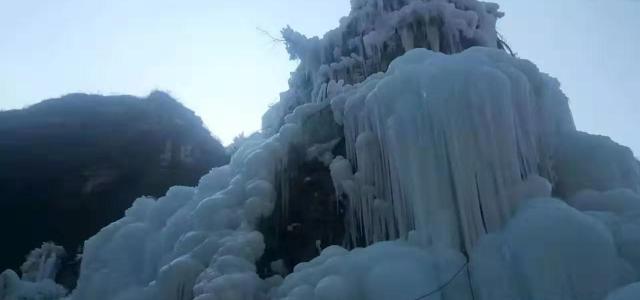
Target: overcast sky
(210, 56)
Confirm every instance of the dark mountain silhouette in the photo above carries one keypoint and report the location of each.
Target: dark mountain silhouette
(72, 165)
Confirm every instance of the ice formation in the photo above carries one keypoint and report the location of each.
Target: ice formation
(444, 152)
(194, 242)
(375, 33)
(12, 288)
(42, 263)
(611, 166)
(445, 149)
(547, 251)
(38, 275)
(460, 130)
(404, 271)
(629, 292)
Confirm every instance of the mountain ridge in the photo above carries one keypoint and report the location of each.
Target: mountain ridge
(73, 164)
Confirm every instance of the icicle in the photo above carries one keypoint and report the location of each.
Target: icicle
(445, 161)
(433, 35)
(406, 36)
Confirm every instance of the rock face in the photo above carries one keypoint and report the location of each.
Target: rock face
(313, 217)
(72, 165)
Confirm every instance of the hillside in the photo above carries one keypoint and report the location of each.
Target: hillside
(72, 165)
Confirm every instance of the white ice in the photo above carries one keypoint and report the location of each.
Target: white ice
(442, 143)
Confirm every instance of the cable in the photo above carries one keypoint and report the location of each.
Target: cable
(440, 288)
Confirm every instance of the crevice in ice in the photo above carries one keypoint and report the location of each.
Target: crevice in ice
(479, 197)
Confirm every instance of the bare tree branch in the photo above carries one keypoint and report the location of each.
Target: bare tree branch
(270, 36)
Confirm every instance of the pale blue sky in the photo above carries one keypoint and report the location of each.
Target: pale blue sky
(210, 56)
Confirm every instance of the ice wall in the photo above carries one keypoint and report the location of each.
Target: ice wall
(441, 143)
(373, 34)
